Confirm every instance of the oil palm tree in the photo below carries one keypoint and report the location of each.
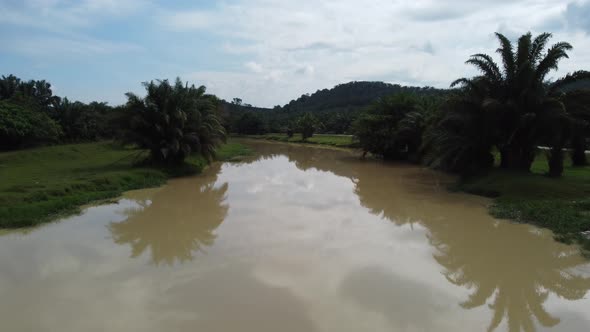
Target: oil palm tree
(463, 135)
(307, 125)
(9, 85)
(577, 104)
(520, 94)
(173, 121)
(392, 127)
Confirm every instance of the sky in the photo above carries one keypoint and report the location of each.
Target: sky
(268, 52)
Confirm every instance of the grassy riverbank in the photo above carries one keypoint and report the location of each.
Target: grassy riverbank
(561, 205)
(40, 184)
(343, 141)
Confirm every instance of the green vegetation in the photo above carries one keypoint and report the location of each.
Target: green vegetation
(335, 109)
(20, 127)
(173, 121)
(307, 125)
(231, 151)
(249, 123)
(343, 141)
(176, 130)
(40, 184)
(392, 127)
(33, 116)
(512, 109)
(562, 205)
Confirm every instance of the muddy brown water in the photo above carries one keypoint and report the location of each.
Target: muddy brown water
(293, 239)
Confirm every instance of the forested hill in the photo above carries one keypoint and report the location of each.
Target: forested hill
(580, 85)
(351, 95)
(336, 108)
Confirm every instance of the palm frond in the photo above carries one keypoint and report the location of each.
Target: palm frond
(551, 60)
(487, 66)
(507, 53)
(524, 50)
(538, 46)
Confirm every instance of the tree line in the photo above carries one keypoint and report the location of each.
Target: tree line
(30, 115)
(507, 110)
(172, 121)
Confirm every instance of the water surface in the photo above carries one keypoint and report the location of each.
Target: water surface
(294, 239)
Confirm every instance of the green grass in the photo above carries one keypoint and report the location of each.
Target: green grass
(232, 151)
(562, 205)
(41, 184)
(331, 140)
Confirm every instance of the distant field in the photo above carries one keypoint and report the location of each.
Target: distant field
(344, 141)
(39, 184)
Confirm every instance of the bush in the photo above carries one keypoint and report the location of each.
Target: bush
(250, 124)
(307, 125)
(22, 126)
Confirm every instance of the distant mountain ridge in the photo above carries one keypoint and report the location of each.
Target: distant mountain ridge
(353, 95)
(336, 108)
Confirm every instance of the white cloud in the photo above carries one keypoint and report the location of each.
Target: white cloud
(254, 67)
(268, 52)
(408, 42)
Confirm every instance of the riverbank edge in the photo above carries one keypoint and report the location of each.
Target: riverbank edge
(59, 203)
(340, 141)
(522, 198)
(560, 205)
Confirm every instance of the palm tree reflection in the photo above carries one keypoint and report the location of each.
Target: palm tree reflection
(515, 267)
(179, 222)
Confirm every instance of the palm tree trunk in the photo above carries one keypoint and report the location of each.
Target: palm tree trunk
(556, 155)
(517, 158)
(579, 151)
(556, 161)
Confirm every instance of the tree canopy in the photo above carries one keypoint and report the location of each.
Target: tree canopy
(173, 120)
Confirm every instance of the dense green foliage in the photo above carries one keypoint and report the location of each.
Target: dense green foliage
(22, 127)
(250, 123)
(34, 116)
(513, 109)
(392, 127)
(86, 122)
(38, 93)
(307, 125)
(173, 121)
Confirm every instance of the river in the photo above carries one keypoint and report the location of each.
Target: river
(293, 239)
